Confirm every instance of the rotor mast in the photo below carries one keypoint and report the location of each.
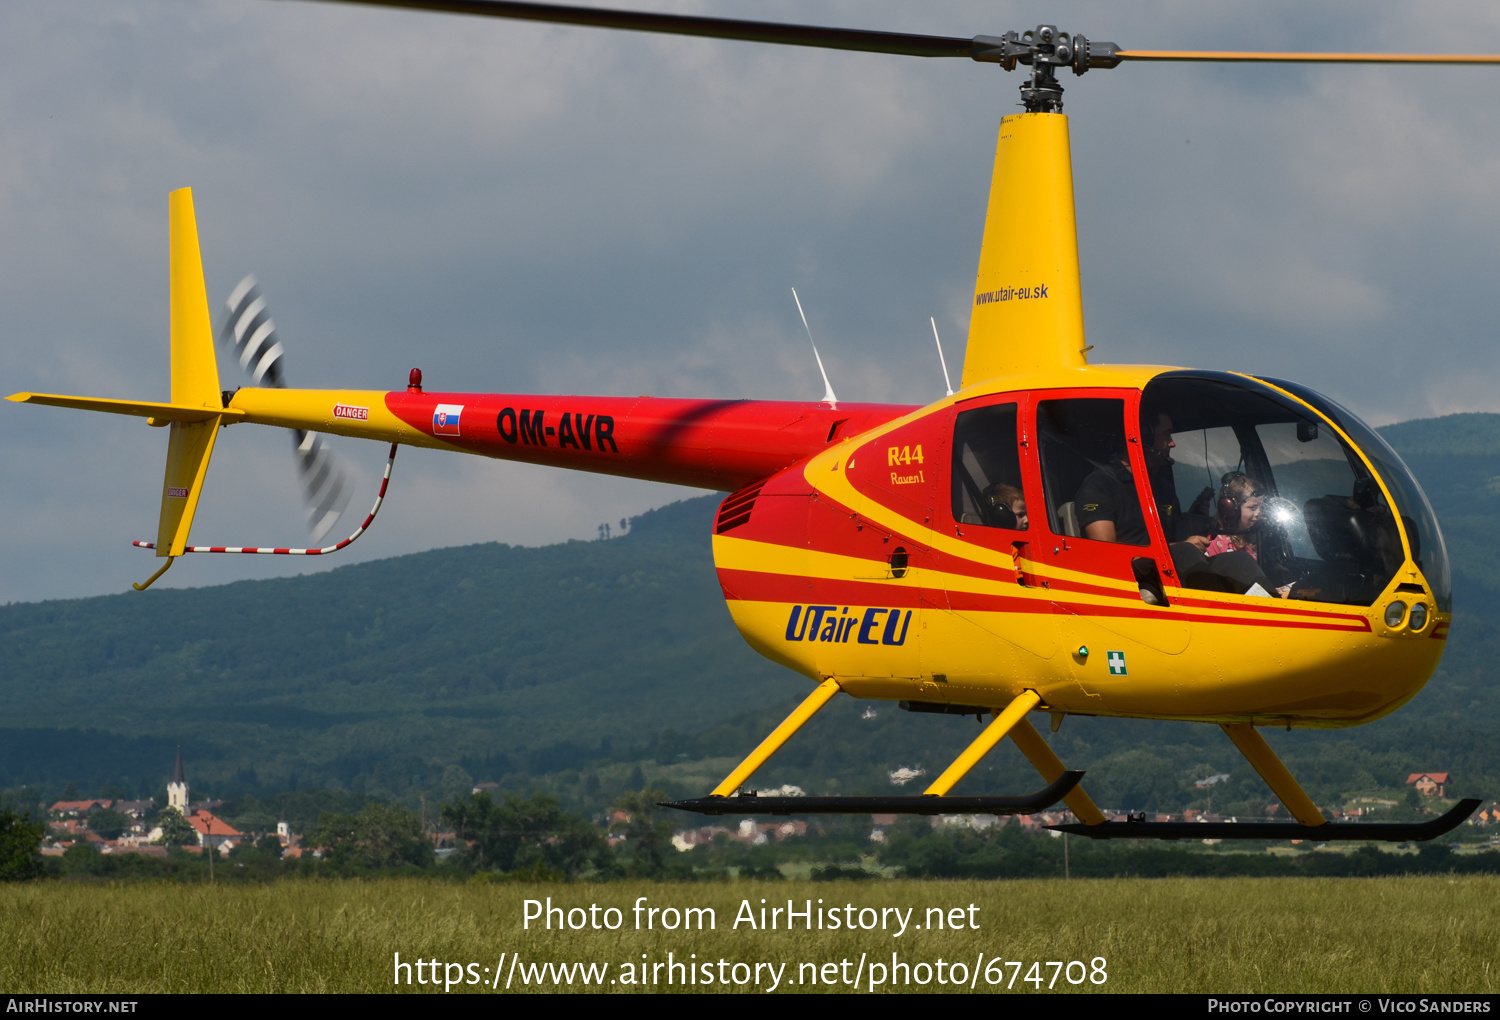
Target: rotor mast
(1027, 314)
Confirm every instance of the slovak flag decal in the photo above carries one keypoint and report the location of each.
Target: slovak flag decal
(445, 419)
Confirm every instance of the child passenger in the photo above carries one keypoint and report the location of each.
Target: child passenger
(1007, 497)
(1237, 515)
(1237, 512)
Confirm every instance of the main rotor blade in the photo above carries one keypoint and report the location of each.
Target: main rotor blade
(1215, 56)
(712, 28)
(983, 48)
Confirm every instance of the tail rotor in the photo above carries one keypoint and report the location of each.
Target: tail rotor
(250, 331)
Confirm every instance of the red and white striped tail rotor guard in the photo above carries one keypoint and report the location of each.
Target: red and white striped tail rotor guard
(265, 551)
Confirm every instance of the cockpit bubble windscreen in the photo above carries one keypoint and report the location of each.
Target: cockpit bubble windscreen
(1324, 529)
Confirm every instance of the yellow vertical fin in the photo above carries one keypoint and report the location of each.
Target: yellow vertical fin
(195, 380)
(1027, 314)
(195, 371)
(188, 450)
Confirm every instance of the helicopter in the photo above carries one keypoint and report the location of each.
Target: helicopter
(1018, 547)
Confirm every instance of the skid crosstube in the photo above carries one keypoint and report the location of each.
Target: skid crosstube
(1391, 832)
(750, 804)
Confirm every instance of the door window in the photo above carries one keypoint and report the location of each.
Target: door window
(1089, 487)
(987, 485)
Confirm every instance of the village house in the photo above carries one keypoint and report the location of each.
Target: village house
(685, 839)
(215, 832)
(77, 808)
(1487, 815)
(212, 830)
(750, 832)
(1429, 784)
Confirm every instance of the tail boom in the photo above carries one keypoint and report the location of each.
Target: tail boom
(711, 444)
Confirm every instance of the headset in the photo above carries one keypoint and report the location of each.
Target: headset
(1002, 512)
(1229, 506)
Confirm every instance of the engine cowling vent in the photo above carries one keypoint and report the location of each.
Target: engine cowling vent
(735, 510)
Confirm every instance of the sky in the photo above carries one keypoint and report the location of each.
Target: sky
(525, 208)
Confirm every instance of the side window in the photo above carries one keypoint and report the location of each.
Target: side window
(987, 469)
(1089, 487)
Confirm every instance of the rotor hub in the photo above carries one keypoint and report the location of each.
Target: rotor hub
(1045, 49)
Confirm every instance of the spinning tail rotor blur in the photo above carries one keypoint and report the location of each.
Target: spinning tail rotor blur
(249, 330)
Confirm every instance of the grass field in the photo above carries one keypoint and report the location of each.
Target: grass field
(1427, 934)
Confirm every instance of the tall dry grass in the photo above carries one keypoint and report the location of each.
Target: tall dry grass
(1427, 934)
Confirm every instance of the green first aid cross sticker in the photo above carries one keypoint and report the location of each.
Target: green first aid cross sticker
(1116, 663)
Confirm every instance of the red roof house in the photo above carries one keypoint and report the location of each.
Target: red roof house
(1429, 784)
(213, 830)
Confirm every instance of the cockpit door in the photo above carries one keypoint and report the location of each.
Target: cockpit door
(1103, 528)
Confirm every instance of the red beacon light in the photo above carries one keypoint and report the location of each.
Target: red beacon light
(414, 381)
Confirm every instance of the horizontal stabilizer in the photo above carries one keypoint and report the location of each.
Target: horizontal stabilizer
(140, 408)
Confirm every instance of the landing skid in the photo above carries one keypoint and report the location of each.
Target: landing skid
(1391, 832)
(928, 804)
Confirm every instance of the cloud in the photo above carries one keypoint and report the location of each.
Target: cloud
(520, 207)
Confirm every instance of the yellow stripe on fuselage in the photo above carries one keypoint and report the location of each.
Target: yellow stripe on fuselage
(1225, 658)
(312, 411)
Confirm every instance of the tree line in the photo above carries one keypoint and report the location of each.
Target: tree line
(532, 838)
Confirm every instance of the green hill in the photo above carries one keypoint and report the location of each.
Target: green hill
(1457, 460)
(590, 666)
(1453, 435)
(382, 673)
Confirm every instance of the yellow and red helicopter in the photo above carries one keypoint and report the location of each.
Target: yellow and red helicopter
(1020, 546)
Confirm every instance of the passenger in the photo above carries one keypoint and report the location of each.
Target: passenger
(1108, 508)
(1237, 513)
(1007, 502)
(1110, 511)
(1228, 560)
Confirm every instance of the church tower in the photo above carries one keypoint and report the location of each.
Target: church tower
(177, 789)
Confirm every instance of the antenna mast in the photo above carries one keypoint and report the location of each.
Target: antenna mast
(828, 396)
(946, 381)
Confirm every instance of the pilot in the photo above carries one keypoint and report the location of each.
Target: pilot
(1007, 503)
(1108, 508)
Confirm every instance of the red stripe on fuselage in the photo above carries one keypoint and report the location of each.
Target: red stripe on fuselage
(1273, 607)
(711, 444)
(827, 526)
(759, 586)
